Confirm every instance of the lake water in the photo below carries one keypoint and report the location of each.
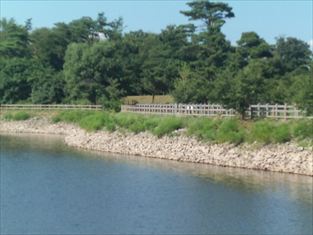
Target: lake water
(47, 188)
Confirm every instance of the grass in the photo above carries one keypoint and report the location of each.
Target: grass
(229, 130)
(16, 116)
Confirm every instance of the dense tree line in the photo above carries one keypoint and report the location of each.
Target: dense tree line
(94, 61)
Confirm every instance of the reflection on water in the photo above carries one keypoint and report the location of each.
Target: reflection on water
(49, 188)
(297, 186)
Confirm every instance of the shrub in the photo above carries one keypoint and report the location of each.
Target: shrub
(261, 131)
(97, 121)
(303, 129)
(202, 128)
(217, 130)
(71, 116)
(18, 116)
(150, 123)
(92, 122)
(281, 133)
(167, 125)
(8, 116)
(230, 131)
(125, 120)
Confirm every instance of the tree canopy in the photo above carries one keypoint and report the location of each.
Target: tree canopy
(94, 61)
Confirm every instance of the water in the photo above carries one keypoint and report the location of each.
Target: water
(47, 188)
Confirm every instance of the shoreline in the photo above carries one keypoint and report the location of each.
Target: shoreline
(287, 158)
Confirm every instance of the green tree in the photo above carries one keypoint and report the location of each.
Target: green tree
(16, 76)
(14, 39)
(47, 87)
(213, 14)
(245, 89)
(189, 89)
(49, 45)
(292, 53)
(89, 70)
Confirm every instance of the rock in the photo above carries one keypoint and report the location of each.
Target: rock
(277, 157)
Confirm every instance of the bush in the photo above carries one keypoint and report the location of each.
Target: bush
(270, 132)
(261, 131)
(8, 116)
(112, 105)
(167, 125)
(18, 116)
(230, 131)
(303, 129)
(71, 116)
(217, 130)
(202, 128)
(281, 133)
(92, 122)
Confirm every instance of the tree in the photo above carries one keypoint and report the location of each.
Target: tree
(49, 45)
(213, 14)
(245, 89)
(16, 77)
(251, 46)
(14, 39)
(292, 53)
(189, 89)
(88, 70)
(300, 88)
(48, 87)
(159, 68)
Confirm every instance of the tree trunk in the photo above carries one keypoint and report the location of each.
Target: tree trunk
(243, 115)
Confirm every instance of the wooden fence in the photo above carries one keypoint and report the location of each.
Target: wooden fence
(215, 110)
(210, 110)
(48, 107)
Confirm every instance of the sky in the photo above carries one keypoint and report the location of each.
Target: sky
(269, 18)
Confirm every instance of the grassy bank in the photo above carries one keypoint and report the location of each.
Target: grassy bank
(16, 116)
(206, 129)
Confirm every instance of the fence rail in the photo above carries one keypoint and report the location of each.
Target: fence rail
(216, 110)
(210, 110)
(48, 107)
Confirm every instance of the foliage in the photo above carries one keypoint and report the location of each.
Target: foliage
(213, 14)
(303, 129)
(214, 130)
(230, 131)
(14, 39)
(270, 132)
(92, 61)
(16, 116)
(167, 125)
(203, 128)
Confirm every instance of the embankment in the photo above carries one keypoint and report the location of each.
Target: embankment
(288, 157)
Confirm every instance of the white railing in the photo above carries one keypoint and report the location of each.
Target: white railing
(216, 110)
(48, 107)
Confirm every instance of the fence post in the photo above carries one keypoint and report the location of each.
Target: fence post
(285, 111)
